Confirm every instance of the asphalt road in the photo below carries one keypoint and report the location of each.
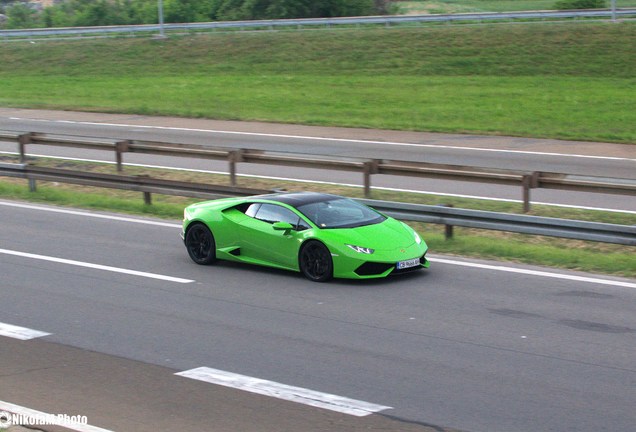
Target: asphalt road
(579, 158)
(465, 347)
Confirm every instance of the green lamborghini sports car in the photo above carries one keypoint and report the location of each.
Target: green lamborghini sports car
(320, 235)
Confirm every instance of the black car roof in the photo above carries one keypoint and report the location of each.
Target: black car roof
(297, 199)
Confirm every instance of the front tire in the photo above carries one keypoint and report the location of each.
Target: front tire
(200, 244)
(315, 262)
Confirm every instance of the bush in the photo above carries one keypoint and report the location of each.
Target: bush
(580, 4)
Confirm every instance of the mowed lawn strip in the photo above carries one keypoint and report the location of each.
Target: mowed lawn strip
(569, 80)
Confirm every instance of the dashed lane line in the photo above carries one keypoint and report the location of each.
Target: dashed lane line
(21, 333)
(285, 392)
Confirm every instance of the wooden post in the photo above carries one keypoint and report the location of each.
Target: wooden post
(529, 181)
(448, 229)
(234, 157)
(23, 140)
(370, 168)
(120, 147)
(526, 193)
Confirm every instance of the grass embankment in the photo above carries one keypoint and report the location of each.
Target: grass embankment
(571, 81)
(569, 254)
(416, 7)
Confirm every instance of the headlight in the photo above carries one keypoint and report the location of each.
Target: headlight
(416, 236)
(360, 249)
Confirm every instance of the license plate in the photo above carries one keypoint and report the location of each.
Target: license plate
(408, 263)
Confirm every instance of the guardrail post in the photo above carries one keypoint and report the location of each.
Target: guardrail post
(529, 181)
(141, 181)
(370, 168)
(234, 157)
(526, 193)
(121, 147)
(448, 229)
(23, 140)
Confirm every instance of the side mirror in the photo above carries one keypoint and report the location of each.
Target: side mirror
(286, 227)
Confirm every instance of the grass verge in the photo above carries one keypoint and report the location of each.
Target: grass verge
(569, 81)
(538, 250)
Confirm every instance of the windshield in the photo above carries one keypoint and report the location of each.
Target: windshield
(340, 213)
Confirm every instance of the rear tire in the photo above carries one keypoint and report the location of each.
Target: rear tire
(315, 261)
(200, 244)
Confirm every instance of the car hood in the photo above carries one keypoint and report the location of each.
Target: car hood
(387, 235)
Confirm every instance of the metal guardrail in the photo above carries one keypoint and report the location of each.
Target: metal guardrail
(320, 22)
(580, 230)
(367, 167)
(524, 224)
(147, 185)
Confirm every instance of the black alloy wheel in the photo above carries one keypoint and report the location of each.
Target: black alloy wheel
(200, 244)
(315, 262)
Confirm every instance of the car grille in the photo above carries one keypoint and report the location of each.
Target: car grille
(373, 268)
(376, 268)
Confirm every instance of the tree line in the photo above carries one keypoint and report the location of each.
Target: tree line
(76, 13)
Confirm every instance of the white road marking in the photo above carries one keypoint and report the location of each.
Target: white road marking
(535, 273)
(33, 414)
(282, 391)
(96, 266)
(21, 333)
(85, 214)
(270, 135)
(336, 184)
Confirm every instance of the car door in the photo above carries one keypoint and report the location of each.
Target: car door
(260, 241)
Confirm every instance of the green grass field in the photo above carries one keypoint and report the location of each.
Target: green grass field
(573, 81)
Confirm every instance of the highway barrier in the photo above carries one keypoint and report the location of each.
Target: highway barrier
(387, 20)
(563, 228)
(366, 167)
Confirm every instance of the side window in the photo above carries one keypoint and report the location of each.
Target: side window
(301, 225)
(271, 213)
(274, 213)
(252, 209)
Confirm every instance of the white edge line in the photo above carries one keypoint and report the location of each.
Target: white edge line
(285, 392)
(96, 266)
(448, 194)
(86, 214)
(260, 134)
(31, 413)
(21, 333)
(535, 273)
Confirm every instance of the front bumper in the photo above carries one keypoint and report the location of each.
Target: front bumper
(379, 264)
(378, 269)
